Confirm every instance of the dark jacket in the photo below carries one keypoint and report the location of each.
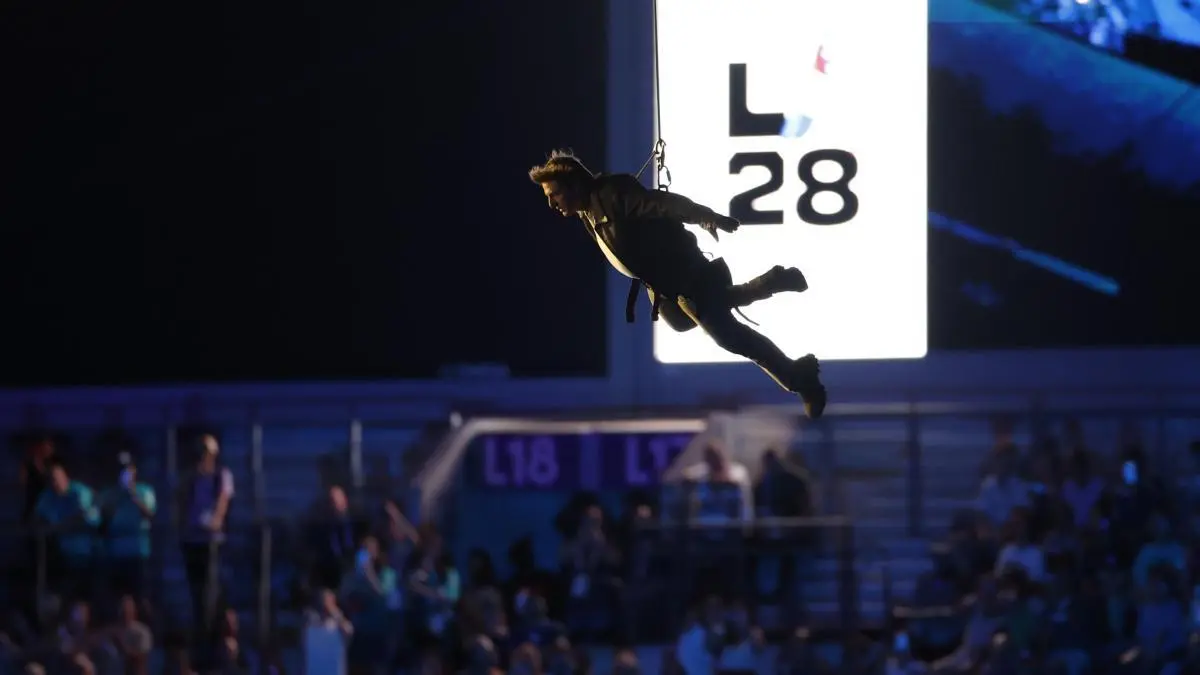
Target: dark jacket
(785, 491)
(333, 539)
(644, 229)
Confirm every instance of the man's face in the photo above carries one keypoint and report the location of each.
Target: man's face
(562, 197)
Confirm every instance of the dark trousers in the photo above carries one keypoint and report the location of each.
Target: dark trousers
(128, 576)
(71, 577)
(327, 572)
(202, 564)
(712, 310)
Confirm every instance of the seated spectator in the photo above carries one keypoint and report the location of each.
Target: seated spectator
(1026, 610)
(560, 659)
(1003, 491)
(69, 509)
(176, 656)
(1045, 496)
(985, 615)
(1021, 553)
(1161, 623)
(129, 508)
(533, 623)
(589, 563)
(704, 639)
(79, 643)
(526, 575)
(1188, 478)
(972, 547)
(1082, 490)
(432, 663)
(326, 636)
(434, 588)
(526, 660)
(800, 657)
(395, 533)
(370, 596)
(481, 571)
(487, 617)
(936, 619)
(898, 662)
(1062, 543)
(625, 662)
(1077, 625)
(482, 658)
(1044, 461)
(696, 650)
(1162, 549)
(232, 659)
(333, 532)
(132, 638)
(744, 643)
(863, 656)
(1136, 498)
(1003, 451)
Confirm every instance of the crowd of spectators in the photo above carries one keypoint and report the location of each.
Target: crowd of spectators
(1071, 562)
(394, 595)
(79, 589)
(374, 593)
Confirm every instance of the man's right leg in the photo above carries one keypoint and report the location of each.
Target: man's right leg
(799, 376)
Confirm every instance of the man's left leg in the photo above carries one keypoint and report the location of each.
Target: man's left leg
(800, 376)
(778, 279)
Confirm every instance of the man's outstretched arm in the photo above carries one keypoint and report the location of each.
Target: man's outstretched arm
(633, 200)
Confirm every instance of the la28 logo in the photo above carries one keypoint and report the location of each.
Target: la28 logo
(743, 123)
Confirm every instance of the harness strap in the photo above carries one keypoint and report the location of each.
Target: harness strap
(635, 289)
(750, 321)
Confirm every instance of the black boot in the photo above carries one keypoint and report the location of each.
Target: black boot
(806, 381)
(778, 279)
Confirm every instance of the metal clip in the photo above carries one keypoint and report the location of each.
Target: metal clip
(664, 174)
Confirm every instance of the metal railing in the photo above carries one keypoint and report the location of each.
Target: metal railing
(44, 575)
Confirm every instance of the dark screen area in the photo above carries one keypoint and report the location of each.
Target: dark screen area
(305, 191)
(1062, 184)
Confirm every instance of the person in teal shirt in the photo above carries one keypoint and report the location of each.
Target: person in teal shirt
(130, 506)
(69, 509)
(371, 592)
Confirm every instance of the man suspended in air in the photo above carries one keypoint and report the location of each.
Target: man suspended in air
(642, 234)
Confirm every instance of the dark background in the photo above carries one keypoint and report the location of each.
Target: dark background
(327, 191)
(1094, 192)
(249, 191)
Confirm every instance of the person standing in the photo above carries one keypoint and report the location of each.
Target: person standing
(207, 494)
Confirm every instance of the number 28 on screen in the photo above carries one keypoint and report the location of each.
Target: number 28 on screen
(743, 124)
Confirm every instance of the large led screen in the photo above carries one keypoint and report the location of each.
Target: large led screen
(806, 120)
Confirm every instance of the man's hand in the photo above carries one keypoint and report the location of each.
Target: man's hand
(722, 223)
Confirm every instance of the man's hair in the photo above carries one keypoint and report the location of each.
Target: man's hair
(561, 165)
